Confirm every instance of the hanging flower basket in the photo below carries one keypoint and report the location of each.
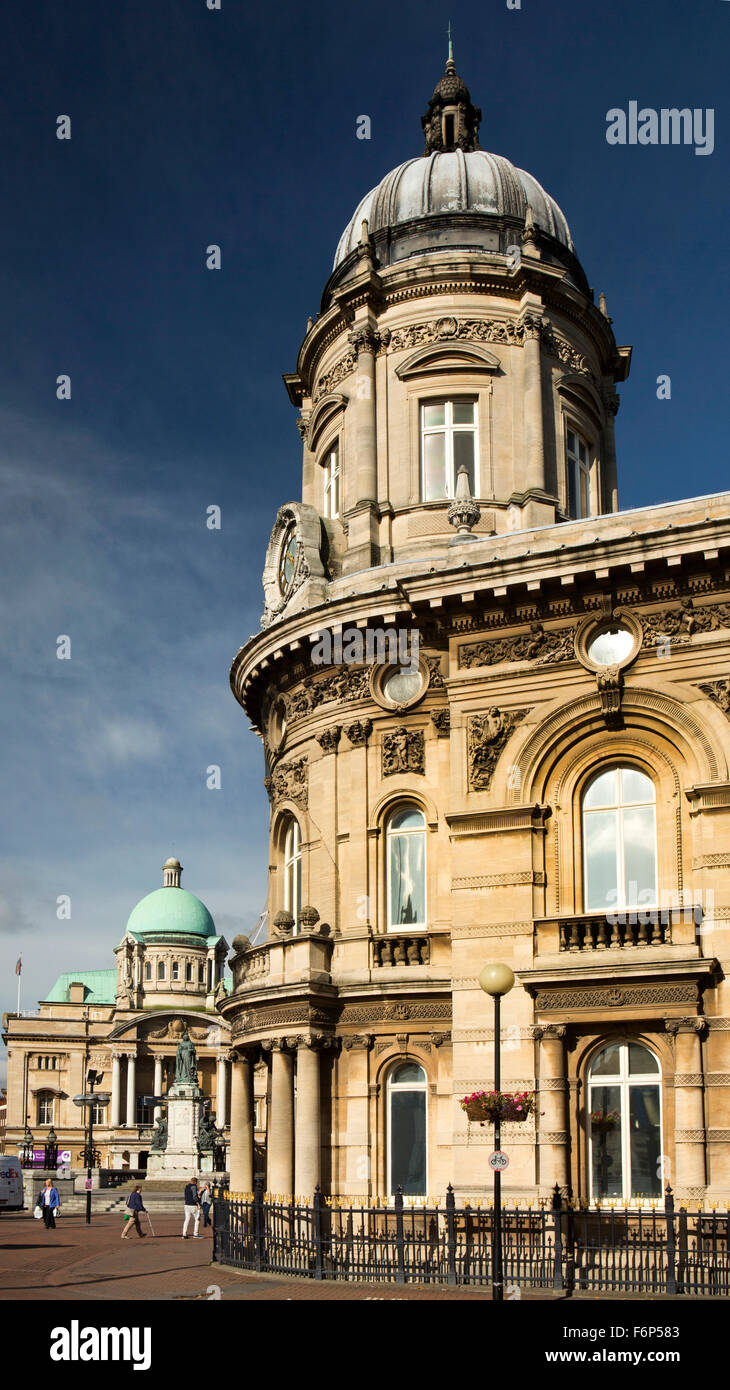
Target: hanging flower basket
(604, 1121)
(486, 1107)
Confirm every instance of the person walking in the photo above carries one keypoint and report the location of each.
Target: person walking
(206, 1197)
(192, 1208)
(135, 1205)
(49, 1204)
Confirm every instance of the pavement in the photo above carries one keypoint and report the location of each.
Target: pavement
(79, 1262)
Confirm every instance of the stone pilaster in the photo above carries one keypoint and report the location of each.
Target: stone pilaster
(242, 1123)
(158, 1086)
(689, 1111)
(221, 1096)
(553, 1136)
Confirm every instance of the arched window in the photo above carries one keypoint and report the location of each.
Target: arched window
(406, 868)
(619, 840)
(331, 481)
(406, 1126)
(148, 969)
(176, 970)
(160, 969)
(625, 1123)
(201, 973)
(189, 972)
(293, 871)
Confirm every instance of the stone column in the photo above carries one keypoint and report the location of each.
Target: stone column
(116, 1089)
(554, 1135)
(131, 1090)
(158, 1087)
(364, 339)
(221, 1097)
(307, 1147)
(532, 395)
(281, 1125)
(242, 1123)
(689, 1118)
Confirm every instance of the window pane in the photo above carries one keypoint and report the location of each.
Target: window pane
(409, 1071)
(645, 1137)
(434, 414)
(571, 441)
(434, 466)
(582, 450)
(602, 792)
(608, 1062)
(639, 855)
(408, 1142)
(464, 456)
(636, 787)
(584, 507)
(407, 880)
(606, 1146)
(572, 500)
(599, 849)
(463, 412)
(408, 818)
(642, 1062)
(610, 647)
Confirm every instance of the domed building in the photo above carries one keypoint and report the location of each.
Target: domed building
(125, 1023)
(494, 710)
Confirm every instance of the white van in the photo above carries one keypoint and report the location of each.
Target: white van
(11, 1184)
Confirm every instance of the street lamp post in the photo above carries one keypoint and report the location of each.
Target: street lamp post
(497, 979)
(27, 1147)
(90, 1099)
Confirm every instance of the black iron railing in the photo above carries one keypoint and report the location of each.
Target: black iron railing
(556, 1246)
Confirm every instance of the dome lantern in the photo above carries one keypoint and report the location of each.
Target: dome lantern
(451, 121)
(171, 871)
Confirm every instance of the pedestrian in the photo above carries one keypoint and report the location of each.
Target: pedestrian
(192, 1208)
(206, 1197)
(49, 1204)
(135, 1205)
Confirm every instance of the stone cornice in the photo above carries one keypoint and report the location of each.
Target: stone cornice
(498, 819)
(587, 973)
(496, 580)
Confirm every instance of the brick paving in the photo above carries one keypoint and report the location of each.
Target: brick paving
(80, 1262)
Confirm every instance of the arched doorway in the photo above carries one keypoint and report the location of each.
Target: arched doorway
(624, 1123)
(407, 1129)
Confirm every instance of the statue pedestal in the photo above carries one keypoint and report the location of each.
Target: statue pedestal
(183, 1124)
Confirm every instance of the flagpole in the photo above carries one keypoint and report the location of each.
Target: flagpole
(20, 976)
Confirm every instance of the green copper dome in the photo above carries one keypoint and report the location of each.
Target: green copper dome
(171, 911)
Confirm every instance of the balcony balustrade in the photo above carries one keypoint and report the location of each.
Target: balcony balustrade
(617, 931)
(397, 949)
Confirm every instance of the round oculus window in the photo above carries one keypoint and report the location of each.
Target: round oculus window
(611, 647)
(402, 684)
(287, 559)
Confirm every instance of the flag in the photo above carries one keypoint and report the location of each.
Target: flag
(18, 965)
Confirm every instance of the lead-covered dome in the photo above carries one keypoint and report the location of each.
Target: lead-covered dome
(171, 911)
(454, 182)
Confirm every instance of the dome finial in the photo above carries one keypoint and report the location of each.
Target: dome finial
(450, 59)
(171, 871)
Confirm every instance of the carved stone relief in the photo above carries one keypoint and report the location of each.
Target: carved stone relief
(289, 782)
(403, 751)
(487, 735)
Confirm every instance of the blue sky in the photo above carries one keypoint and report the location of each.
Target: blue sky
(237, 127)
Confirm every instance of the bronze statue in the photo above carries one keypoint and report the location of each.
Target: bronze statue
(159, 1137)
(186, 1067)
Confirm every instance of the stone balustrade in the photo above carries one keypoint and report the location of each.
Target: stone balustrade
(401, 949)
(634, 927)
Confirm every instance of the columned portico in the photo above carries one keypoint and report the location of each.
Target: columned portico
(116, 1090)
(553, 1090)
(131, 1090)
(221, 1092)
(281, 1127)
(158, 1085)
(307, 1170)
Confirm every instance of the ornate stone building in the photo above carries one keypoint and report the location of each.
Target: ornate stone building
(544, 783)
(126, 1024)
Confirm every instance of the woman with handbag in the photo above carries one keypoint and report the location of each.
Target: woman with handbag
(49, 1204)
